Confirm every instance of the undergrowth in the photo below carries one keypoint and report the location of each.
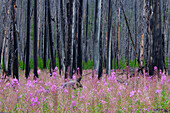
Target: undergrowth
(46, 94)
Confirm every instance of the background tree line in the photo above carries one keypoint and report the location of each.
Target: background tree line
(75, 32)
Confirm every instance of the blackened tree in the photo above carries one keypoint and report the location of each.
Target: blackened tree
(15, 63)
(79, 54)
(156, 58)
(28, 39)
(35, 39)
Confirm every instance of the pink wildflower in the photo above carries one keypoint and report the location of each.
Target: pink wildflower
(73, 103)
(74, 77)
(82, 97)
(121, 87)
(20, 96)
(65, 90)
(54, 74)
(35, 99)
(168, 80)
(31, 95)
(56, 69)
(41, 82)
(35, 81)
(84, 87)
(29, 83)
(144, 109)
(119, 93)
(163, 79)
(155, 68)
(113, 99)
(136, 100)
(38, 71)
(103, 102)
(108, 90)
(7, 85)
(139, 92)
(145, 89)
(32, 99)
(132, 93)
(49, 83)
(157, 91)
(105, 84)
(53, 87)
(32, 104)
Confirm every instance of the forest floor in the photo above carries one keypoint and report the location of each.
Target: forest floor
(111, 94)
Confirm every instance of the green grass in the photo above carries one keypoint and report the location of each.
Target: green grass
(88, 65)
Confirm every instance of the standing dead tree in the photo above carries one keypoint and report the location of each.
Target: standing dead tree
(50, 36)
(6, 27)
(15, 63)
(96, 34)
(28, 39)
(156, 58)
(140, 66)
(108, 65)
(35, 39)
(79, 53)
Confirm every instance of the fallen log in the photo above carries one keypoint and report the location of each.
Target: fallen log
(73, 83)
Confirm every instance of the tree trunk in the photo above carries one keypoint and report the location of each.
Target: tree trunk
(108, 65)
(69, 42)
(74, 29)
(10, 52)
(28, 39)
(45, 38)
(156, 58)
(100, 70)
(147, 36)
(62, 32)
(35, 39)
(168, 47)
(87, 19)
(118, 40)
(127, 48)
(79, 53)
(58, 39)
(5, 29)
(135, 28)
(141, 50)
(96, 34)
(50, 37)
(15, 64)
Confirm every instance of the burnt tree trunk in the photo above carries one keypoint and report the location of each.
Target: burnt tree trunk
(69, 42)
(28, 39)
(45, 38)
(156, 58)
(87, 19)
(62, 34)
(35, 39)
(51, 37)
(58, 39)
(74, 36)
(15, 63)
(79, 53)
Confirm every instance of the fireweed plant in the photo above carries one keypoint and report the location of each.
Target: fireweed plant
(46, 94)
